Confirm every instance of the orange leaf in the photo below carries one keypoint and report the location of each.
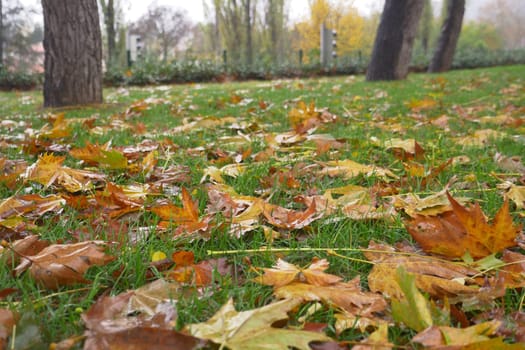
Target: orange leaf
(452, 234)
(187, 214)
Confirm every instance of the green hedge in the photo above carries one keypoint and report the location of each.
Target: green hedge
(19, 80)
(150, 71)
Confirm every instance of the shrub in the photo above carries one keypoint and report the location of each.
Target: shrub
(18, 80)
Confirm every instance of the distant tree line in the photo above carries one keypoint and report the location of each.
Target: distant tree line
(242, 33)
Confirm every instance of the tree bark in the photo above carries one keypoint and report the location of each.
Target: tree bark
(248, 23)
(448, 38)
(108, 9)
(73, 53)
(1, 35)
(394, 40)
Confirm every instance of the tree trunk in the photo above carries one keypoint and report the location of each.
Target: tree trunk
(394, 40)
(73, 53)
(108, 9)
(248, 23)
(448, 38)
(1, 35)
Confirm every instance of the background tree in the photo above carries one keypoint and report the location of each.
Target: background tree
(19, 37)
(480, 36)
(448, 38)
(1, 35)
(73, 53)
(275, 22)
(508, 17)
(163, 28)
(394, 40)
(344, 19)
(108, 10)
(426, 25)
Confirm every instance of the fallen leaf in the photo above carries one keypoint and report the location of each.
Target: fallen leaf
(64, 264)
(458, 338)
(285, 273)
(378, 340)
(349, 169)
(517, 195)
(290, 219)
(109, 327)
(48, 170)
(7, 322)
(346, 296)
(435, 276)
(480, 138)
(452, 234)
(414, 309)
(252, 329)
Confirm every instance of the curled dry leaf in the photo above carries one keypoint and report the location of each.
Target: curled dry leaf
(31, 245)
(252, 329)
(285, 273)
(349, 169)
(435, 276)
(7, 321)
(474, 337)
(290, 219)
(64, 264)
(48, 170)
(346, 296)
(378, 340)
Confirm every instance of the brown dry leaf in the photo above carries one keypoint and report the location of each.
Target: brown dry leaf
(48, 170)
(432, 205)
(7, 322)
(480, 138)
(452, 234)
(511, 163)
(376, 341)
(64, 264)
(517, 195)
(290, 219)
(10, 170)
(408, 149)
(457, 338)
(513, 273)
(346, 296)
(31, 206)
(114, 202)
(200, 274)
(109, 327)
(285, 273)
(346, 320)
(59, 129)
(31, 245)
(252, 329)
(152, 297)
(435, 276)
(502, 120)
(349, 169)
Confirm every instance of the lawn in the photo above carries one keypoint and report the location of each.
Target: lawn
(186, 195)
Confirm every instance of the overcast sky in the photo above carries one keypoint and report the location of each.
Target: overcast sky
(298, 8)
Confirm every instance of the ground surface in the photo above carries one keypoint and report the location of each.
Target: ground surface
(206, 185)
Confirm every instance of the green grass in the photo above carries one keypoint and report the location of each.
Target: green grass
(365, 110)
